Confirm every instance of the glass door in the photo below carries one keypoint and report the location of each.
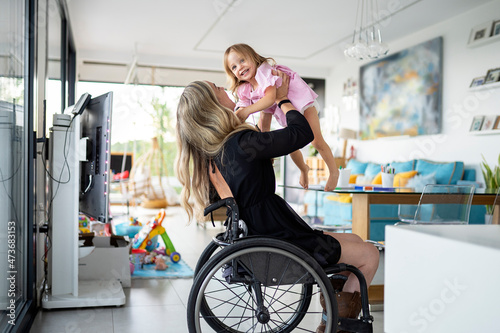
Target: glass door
(16, 173)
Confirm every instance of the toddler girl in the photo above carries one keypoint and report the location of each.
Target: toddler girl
(253, 83)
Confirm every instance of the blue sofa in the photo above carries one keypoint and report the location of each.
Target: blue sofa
(336, 209)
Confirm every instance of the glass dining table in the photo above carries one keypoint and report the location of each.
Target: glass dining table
(364, 196)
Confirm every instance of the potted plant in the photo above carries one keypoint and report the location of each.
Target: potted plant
(491, 177)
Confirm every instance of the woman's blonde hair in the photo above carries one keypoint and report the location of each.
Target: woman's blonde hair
(248, 53)
(203, 127)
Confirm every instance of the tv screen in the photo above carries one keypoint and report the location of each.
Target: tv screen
(95, 171)
(121, 162)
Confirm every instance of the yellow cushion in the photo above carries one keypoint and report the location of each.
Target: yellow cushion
(378, 179)
(352, 179)
(402, 178)
(340, 197)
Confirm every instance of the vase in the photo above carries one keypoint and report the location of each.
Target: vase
(488, 218)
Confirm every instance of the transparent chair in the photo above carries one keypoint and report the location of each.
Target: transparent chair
(495, 210)
(440, 204)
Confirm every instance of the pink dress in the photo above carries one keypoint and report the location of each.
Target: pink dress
(299, 93)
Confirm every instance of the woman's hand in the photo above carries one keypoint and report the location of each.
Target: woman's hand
(282, 91)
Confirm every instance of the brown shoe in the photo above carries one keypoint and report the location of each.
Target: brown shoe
(349, 305)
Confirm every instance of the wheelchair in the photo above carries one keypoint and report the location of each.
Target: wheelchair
(260, 284)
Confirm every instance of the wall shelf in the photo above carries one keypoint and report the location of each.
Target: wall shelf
(484, 41)
(488, 132)
(486, 86)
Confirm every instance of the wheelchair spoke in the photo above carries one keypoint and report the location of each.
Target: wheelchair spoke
(267, 289)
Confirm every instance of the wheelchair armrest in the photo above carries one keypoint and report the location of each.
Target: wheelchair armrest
(228, 202)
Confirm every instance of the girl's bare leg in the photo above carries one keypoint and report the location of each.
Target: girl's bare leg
(322, 147)
(298, 159)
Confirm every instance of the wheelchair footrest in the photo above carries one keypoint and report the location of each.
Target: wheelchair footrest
(362, 325)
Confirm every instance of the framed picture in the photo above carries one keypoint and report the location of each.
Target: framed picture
(493, 75)
(390, 106)
(477, 122)
(477, 81)
(496, 28)
(496, 125)
(480, 32)
(488, 123)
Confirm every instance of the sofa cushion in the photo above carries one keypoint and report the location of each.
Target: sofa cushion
(403, 166)
(469, 174)
(445, 173)
(357, 167)
(377, 180)
(372, 169)
(401, 179)
(419, 181)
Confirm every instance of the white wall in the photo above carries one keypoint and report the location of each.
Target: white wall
(459, 105)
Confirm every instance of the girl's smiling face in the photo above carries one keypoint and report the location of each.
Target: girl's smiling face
(242, 69)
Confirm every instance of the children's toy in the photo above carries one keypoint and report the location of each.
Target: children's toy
(137, 257)
(146, 237)
(83, 224)
(130, 228)
(160, 264)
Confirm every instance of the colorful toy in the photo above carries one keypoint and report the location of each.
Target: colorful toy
(134, 221)
(146, 237)
(83, 224)
(138, 257)
(160, 264)
(128, 228)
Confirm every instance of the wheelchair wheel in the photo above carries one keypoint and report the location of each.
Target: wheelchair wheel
(206, 255)
(260, 285)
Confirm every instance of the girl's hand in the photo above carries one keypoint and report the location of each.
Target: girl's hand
(242, 114)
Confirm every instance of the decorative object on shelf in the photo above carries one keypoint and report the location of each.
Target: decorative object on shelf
(485, 33)
(401, 94)
(369, 44)
(488, 122)
(350, 95)
(493, 75)
(477, 122)
(485, 125)
(496, 28)
(477, 81)
(480, 31)
(496, 125)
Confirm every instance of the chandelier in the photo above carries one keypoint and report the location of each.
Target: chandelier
(369, 43)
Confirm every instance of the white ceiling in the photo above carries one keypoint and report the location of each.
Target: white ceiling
(195, 33)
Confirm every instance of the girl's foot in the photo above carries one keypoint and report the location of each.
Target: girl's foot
(304, 177)
(331, 183)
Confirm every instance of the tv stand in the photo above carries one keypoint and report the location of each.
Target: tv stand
(65, 290)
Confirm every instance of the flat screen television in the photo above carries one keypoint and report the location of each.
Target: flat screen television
(95, 171)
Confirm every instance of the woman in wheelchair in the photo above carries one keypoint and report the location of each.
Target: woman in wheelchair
(209, 132)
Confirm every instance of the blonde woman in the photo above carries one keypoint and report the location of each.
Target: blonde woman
(208, 130)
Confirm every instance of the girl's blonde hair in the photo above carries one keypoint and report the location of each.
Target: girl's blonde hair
(203, 127)
(249, 54)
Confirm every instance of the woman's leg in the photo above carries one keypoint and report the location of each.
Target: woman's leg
(298, 159)
(360, 254)
(322, 147)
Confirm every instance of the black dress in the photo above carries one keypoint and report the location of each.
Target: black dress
(246, 165)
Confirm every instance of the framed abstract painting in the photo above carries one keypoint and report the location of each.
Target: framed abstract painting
(401, 94)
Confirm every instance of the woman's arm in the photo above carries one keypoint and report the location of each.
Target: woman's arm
(265, 121)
